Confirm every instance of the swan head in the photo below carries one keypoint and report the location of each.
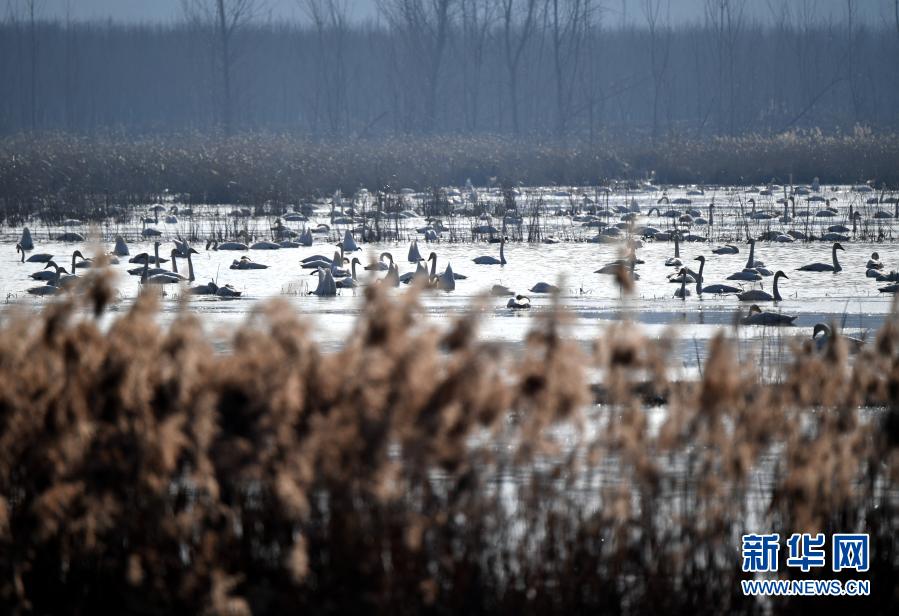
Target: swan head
(838, 246)
(820, 327)
(754, 309)
(875, 256)
(700, 258)
(157, 244)
(78, 254)
(432, 256)
(51, 264)
(780, 274)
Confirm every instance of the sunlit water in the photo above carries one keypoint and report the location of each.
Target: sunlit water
(849, 298)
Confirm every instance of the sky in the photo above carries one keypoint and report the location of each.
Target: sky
(871, 11)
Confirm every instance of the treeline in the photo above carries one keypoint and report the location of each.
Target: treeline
(519, 67)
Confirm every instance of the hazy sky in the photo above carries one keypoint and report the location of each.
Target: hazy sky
(682, 10)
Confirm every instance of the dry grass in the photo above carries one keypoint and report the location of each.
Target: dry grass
(414, 471)
(56, 175)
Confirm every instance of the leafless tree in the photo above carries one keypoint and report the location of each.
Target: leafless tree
(227, 16)
(658, 23)
(519, 20)
(425, 26)
(329, 18)
(477, 19)
(569, 22)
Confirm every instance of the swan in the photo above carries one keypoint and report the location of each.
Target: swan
(727, 249)
(379, 265)
(683, 275)
(519, 302)
(757, 316)
(414, 254)
(675, 260)
(25, 241)
(825, 267)
(713, 289)
(447, 280)
(209, 288)
(226, 245)
(244, 263)
(45, 274)
(326, 285)
(855, 344)
(349, 244)
(491, 260)
(172, 277)
(265, 245)
(41, 257)
(683, 292)
(544, 287)
(52, 287)
(420, 273)
(874, 262)
(350, 282)
(142, 257)
(121, 248)
(392, 277)
(751, 262)
(757, 295)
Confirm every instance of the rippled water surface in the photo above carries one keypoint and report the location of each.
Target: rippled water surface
(848, 297)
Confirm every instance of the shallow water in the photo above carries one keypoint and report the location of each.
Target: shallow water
(848, 297)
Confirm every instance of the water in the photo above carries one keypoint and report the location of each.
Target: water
(849, 297)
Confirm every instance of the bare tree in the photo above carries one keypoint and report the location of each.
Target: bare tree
(477, 19)
(519, 21)
(227, 17)
(569, 22)
(425, 25)
(329, 18)
(659, 51)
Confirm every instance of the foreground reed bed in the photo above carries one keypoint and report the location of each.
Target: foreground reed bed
(416, 470)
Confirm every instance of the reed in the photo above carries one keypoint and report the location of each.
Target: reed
(419, 469)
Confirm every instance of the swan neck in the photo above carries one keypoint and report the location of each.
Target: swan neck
(751, 261)
(776, 292)
(190, 267)
(836, 264)
(699, 278)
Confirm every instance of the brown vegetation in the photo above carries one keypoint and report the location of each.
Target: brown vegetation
(55, 176)
(417, 471)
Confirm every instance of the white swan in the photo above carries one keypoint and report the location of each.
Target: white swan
(326, 285)
(855, 344)
(25, 241)
(825, 267)
(675, 260)
(121, 248)
(491, 260)
(41, 257)
(519, 302)
(414, 254)
(244, 263)
(757, 316)
(683, 292)
(757, 295)
(447, 280)
(349, 244)
(544, 287)
(712, 289)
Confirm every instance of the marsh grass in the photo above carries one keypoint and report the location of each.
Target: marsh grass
(104, 177)
(417, 471)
